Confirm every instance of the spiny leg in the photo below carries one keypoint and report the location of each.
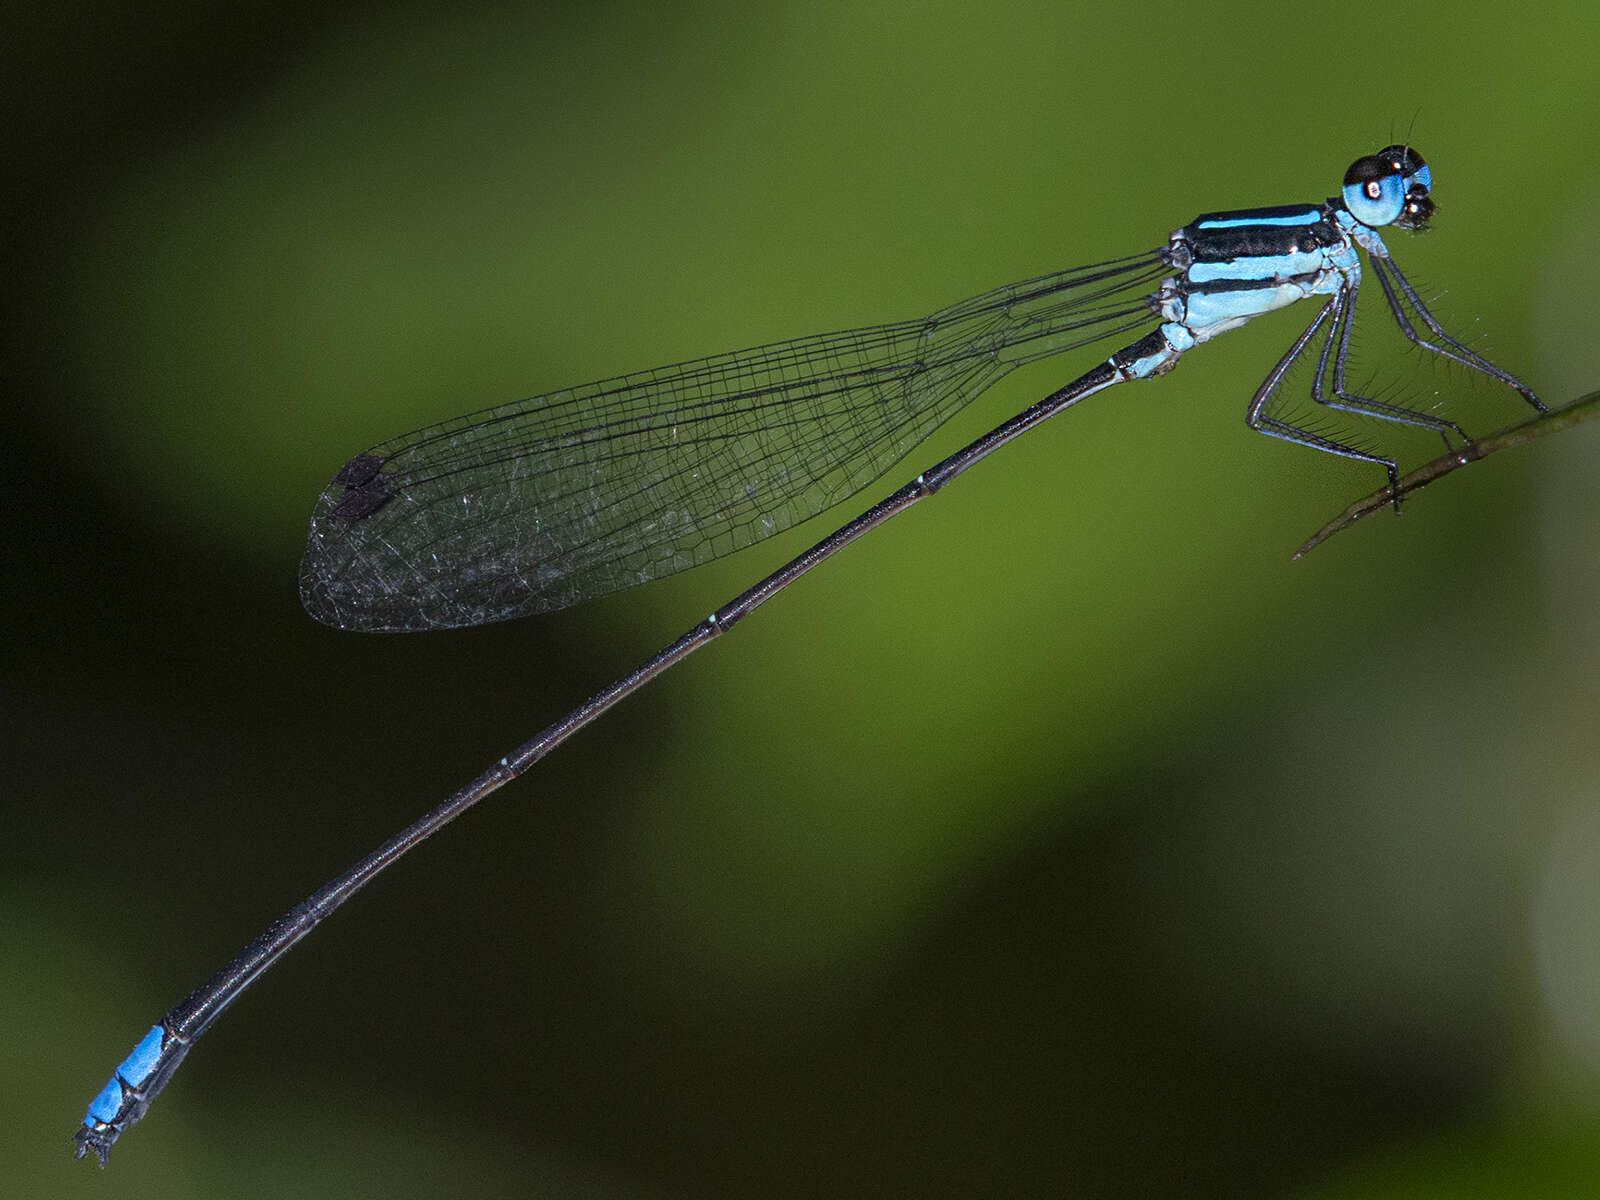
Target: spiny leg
(1451, 348)
(1259, 419)
(1343, 324)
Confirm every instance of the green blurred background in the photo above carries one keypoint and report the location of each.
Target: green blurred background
(1063, 839)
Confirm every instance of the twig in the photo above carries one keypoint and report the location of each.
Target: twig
(1576, 413)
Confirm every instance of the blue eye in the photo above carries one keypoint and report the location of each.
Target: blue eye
(1375, 191)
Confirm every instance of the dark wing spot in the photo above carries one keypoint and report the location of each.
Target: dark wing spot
(359, 470)
(366, 489)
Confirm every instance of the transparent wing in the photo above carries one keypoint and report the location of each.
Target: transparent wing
(554, 500)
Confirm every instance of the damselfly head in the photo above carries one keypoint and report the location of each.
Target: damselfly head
(1390, 188)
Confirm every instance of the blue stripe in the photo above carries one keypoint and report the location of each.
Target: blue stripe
(1309, 217)
(1265, 266)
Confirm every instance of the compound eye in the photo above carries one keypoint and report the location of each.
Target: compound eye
(1375, 190)
(1409, 163)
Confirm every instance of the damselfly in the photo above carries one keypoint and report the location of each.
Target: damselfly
(548, 502)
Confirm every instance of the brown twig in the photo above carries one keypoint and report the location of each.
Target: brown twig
(1553, 422)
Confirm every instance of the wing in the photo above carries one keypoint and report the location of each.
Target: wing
(547, 502)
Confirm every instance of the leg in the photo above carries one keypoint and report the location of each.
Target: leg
(1344, 319)
(1447, 346)
(1259, 419)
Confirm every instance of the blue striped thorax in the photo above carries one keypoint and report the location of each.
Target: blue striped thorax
(1234, 266)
